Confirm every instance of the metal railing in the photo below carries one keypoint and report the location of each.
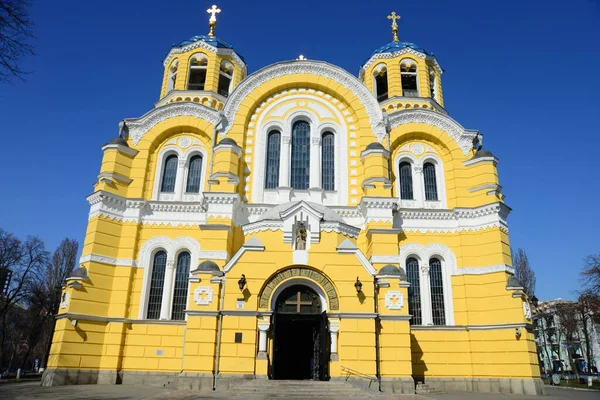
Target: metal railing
(350, 372)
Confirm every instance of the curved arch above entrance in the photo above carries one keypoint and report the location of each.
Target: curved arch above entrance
(299, 275)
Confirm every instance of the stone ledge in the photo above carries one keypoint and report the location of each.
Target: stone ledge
(526, 386)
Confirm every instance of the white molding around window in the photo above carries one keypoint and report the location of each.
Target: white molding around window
(317, 127)
(183, 159)
(173, 247)
(424, 254)
(418, 200)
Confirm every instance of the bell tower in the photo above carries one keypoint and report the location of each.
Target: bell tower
(403, 75)
(203, 69)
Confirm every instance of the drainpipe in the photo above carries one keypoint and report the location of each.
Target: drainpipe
(214, 143)
(377, 320)
(219, 331)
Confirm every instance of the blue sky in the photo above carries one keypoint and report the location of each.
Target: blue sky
(524, 73)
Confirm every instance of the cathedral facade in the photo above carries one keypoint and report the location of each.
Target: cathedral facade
(298, 222)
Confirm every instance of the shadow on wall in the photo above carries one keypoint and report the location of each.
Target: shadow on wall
(418, 364)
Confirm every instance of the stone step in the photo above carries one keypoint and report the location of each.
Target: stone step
(298, 389)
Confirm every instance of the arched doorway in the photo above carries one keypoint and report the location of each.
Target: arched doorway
(301, 339)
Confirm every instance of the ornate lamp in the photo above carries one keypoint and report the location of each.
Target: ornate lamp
(242, 282)
(358, 285)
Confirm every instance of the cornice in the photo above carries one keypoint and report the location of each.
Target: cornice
(138, 127)
(200, 44)
(119, 262)
(490, 269)
(463, 137)
(481, 160)
(123, 149)
(319, 68)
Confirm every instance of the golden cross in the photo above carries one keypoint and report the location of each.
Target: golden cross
(393, 16)
(212, 21)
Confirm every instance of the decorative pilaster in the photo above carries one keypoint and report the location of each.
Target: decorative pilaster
(333, 331)
(263, 328)
(426, 314)
(179, 179)
(315, 162)
(284, 161)
(165, 309)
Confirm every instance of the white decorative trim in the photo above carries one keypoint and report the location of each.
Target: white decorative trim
(118, 262)
(480, 160)
(405, 50)
(213, 255)
(462, 137)
(300, 281)
(110, 177)
(200, 44)
(360, 257)
(490, 269)
(203, 295)
(64, 301)
(385, 259)
(394, 300)
(138, 127)
(418, 179)
(250, 245)
(492, 188)
(319, 68)
(123, 149)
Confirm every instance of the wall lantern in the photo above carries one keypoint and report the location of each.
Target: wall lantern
(534, 301)
(358, 285)
(242, 282)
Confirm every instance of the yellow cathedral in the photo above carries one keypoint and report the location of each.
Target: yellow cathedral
(296, 223)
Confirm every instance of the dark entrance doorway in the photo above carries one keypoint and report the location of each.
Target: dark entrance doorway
(301, 339)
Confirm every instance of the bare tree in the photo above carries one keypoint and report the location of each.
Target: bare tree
(26, 261)
(15, 33)
(590, 274)
(523, 272)
(568, 324)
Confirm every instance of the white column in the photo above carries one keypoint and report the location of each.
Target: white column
(167, 299)
(284, 161)
(426, 314)
(263, 328)
(315, 162)
(179, 179)
(418, 186)
(333, 331)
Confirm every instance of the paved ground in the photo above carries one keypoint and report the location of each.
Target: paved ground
(33, 390)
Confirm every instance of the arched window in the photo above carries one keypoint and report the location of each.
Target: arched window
(198, 66)
(432, 83)
(328, 161)
(408, 75)
(172, 76)
(169, 174)
(300, 167)
(194, 174)
(430, 181)
(437, 292)
(225, 78)
(272, 168)
(414, 291)
(156, 285)
(406, 184)
(381, 82)
(180, 291)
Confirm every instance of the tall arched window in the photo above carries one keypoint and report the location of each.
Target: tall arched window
(169, 174)
(414, 291)
(408, 75)
(381, 82)
(300, 167)
(328, 161)
(437, 292)
(432, 84)
(172, 75)
(272, 167)
(198, 66)
(406, 184)
(180, 291)
(225, 78)
(430, 181)
(194, 174)
(156, 285)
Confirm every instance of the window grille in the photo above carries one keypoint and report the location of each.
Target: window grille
(430, 182)
(156, 285)
(273, 149)
(437, 292)
(414, 291)
(169, 174)
(194, 175)
(300, 178)
(180, 291)
(406, 184)
(328, 161)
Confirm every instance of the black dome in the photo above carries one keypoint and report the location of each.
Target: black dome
(208, 266)
(483, 153)
(375, 146)
(390, 270)
(118, 140)
(228, 141)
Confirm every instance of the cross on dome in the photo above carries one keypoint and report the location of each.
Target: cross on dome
(212, 21)
(393, 16)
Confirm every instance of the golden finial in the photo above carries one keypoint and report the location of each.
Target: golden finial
(393, 16)
(212, 21)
